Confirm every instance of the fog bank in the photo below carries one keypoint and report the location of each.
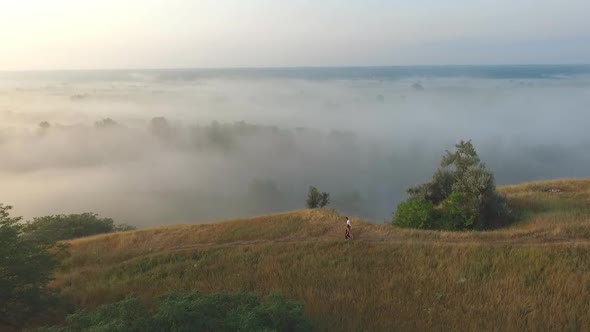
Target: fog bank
(207, 148)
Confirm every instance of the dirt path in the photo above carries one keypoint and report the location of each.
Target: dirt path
(397, 240)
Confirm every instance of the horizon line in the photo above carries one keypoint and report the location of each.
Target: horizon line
(290, 67)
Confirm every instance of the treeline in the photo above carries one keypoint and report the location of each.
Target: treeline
(366, 176)
(215, 135)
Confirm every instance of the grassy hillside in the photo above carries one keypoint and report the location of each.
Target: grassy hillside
(533, 275)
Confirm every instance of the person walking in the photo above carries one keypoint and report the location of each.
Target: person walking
(348, 234)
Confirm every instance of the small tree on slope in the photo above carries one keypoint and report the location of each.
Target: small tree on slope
(324, 199)
(313, 197)
(316, 199)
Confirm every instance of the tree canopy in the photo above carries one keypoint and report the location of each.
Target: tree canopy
(462, 195)
(64, 227)
(26, 266)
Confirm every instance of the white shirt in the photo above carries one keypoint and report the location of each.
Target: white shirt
(348, 223)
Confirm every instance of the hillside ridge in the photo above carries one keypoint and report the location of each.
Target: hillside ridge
(311, 225)
(390, 278)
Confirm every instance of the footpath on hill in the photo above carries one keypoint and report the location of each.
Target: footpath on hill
(400, 239)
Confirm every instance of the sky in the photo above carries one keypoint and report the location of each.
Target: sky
(116, 34)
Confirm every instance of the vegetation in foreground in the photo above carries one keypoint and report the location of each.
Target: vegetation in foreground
(534, 275)
(29, 255)
(191, 311)
(26, 267)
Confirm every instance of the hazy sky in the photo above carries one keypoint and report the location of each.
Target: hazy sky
(85, 34)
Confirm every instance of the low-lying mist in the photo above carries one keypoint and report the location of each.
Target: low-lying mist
(147, 151)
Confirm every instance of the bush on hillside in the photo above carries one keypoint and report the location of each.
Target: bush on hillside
(26, 267)
(415, 213)
(192, 312)
(452, 214)
(463, 192)
(65, 227)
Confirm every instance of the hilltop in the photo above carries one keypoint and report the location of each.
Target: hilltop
(532, 275)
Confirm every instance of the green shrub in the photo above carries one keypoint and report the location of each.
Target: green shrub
(453, 215)
(192, 312)
(415, 213)
(65, 227)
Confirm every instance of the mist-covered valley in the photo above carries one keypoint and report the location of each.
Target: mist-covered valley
(160, 147)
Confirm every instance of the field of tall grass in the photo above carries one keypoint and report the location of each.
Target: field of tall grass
(534, 275)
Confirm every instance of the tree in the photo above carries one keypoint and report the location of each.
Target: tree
(106, 123)
(160, 128)
(220, 136)
(324, 199)
(26, 267)
(462, 189)
(65, 227)
(313, 197)
(316, 199)
(437, 190)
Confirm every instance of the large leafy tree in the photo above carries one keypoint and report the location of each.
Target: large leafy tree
(25, 270)
(464, 192)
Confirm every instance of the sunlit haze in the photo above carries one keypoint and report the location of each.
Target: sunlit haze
(360, 98)
(82, 34)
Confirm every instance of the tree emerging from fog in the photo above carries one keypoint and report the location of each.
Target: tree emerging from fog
(461, 195)
(316, 199)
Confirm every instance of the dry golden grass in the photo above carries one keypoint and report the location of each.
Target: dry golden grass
(534, 275)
